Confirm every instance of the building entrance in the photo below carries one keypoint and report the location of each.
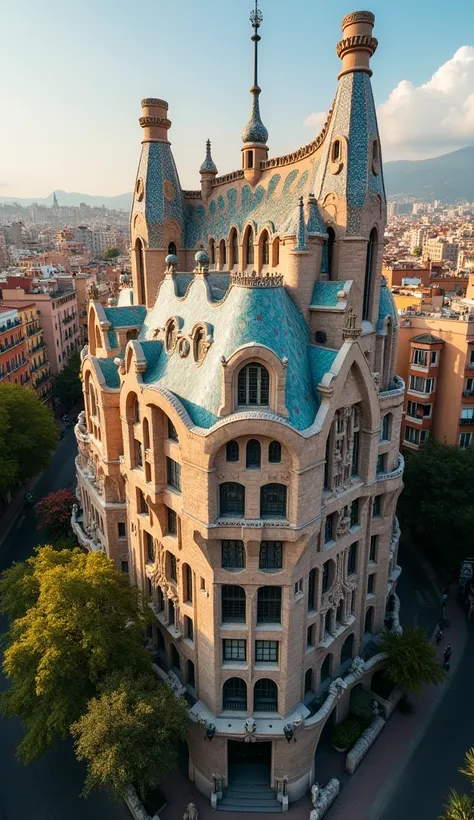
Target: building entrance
(249, 754)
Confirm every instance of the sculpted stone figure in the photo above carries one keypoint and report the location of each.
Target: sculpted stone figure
(191, 812)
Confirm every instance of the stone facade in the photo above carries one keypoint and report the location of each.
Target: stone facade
(239, 450)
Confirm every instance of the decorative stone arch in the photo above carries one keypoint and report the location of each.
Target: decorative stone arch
(262, 355)
(248, 248)
(156, 401)
(251, 427)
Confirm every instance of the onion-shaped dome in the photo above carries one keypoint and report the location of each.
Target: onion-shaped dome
(202, 257)
(255, 130)
(208, 166)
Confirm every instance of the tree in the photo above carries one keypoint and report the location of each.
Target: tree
(53, 514)
(67, 385)
(461, 806)
(437, 504)
(76, 621)
(411, 660)
(111, 253)
(130, 734)
(28, 435)
(417, 251)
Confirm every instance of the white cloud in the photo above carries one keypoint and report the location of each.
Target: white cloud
(438, 116)
(315, 121)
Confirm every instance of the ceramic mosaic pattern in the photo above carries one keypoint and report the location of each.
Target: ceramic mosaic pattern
(126, 316)
(110, 372)
(156, 167)
(325, 293)
(112, 337)
(218, 282)
(255, 130)
(264, 316)
(387, 307)
(277, 205)
(321, 360)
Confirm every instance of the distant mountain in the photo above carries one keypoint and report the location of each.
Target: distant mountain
(447, 178)
(117, 203)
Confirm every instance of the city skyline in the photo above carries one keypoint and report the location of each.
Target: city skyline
(85, 104)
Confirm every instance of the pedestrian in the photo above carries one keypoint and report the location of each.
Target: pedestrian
(446, 666)
(439, 636)
(447, 654)
(444, 598)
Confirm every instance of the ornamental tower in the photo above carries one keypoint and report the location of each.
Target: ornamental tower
(254, 135)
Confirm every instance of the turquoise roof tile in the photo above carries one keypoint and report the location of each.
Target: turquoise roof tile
(130, 316)
(387, 308)
(321, 360)
(110, 372)
(325, 293)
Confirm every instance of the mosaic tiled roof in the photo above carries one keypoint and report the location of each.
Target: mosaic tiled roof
(325, 293)
(130, 316)
(321, 360)
(247, 315)
(162, 197)
(387, 308)
(110, 372)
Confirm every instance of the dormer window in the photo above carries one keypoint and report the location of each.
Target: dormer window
(253, 387)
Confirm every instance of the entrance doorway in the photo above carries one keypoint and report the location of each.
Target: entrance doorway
(249, 762)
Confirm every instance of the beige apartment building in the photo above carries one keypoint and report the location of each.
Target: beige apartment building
(239, 450)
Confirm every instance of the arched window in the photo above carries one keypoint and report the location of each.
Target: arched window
(370, 262)
(222, 254)
(273, 501)
(93, 401)
(254, 455)
(234, 249)
(232, 499)
(234, 695)
(330, 251)
(212, 252)
(265, 696)
(347, 650)
(249, 247)
(274, 452)
(190, 674)
(336, 151)
(187, 583)
(98, 339)
(369, 620)
(172, 248)
(253, 386)
(232, 451)
(140, 265)
(276, 252)
(146, 434)
(171, 335)
(326, 668)
(133, 409)
(308, 681)
(233, 604)
(265, 248)
(175, 659)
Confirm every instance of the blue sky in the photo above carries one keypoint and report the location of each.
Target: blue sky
(73, 74)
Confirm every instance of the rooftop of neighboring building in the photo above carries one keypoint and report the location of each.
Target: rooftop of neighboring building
(428, 339)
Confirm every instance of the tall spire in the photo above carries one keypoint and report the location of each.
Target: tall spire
(255, 130)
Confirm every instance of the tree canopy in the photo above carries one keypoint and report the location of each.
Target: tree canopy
(28, 435)
(437, 503)
(461, 806)
(76, 620)
(67, 384)
(53, 513)
(130, 734)
(111, 253)
(417, 251)
(411, 660)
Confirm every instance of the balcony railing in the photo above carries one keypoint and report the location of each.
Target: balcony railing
(470, 366)
(466, 422)
(468, 393)
(35, 368)
(13, 369)
(68, 319)
(9, 345)
(40, 346)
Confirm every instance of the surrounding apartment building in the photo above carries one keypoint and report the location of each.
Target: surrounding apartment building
(14, 362)
(440, 250)
(57, 314)
(40, 370)
(436, 360)
(239, 450)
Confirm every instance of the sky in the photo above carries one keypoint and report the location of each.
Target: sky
(73, 73)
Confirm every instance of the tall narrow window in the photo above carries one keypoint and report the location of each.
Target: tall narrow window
(173, 471)
(369, 273)
(233, 604)
(249, 247)
(222, 254)
(265, 249)
(232, 451)
(336, 151)
(249, 159)
(212, 254)
(234, 249)
(234, 695)
(172, 248)
(311, 589)
(271, 555)
(253, 455)
(330, 251)
(139, 260)
(274, 452)
(273, 501)
(233, 555)
(269, 605)
(276, 252)
(232, 499)
(265, 696)
(253, 386)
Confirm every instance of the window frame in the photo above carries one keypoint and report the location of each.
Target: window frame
(173, 474)
(234, 650)
(276, 508)
(260, 389)
(269, 553)
(274, 452)
(269, 605)
(233, 605)
(238, 503)
(269, 648)
(232, 548)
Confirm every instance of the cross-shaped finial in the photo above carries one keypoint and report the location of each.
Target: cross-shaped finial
(256, 16)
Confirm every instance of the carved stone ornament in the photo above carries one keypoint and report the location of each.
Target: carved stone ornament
(343, 521)
(184, 347)
(139, 189)
(257, 280)
(350, 331)
(191, 812)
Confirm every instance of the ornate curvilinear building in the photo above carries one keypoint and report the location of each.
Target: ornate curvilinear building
(238, 455)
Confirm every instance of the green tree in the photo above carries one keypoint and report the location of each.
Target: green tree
(461, 806)
(411, 660)
(111, 253)
(76, 621)
(53, 514)
(417, 251)
(437, 504)
(28, 435)
(67, 384)
(130, 734)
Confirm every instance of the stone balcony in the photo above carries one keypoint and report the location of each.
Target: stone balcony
(87, 539)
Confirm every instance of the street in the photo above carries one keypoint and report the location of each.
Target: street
(49, 788)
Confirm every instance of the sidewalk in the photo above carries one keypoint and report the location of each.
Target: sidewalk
(365, 794)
